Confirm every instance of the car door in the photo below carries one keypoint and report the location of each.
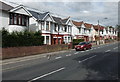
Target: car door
(88, 45)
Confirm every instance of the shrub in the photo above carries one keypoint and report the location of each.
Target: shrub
(25, 38)
(77, 41)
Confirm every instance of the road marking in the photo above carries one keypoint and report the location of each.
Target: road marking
(98, 47)
(94, 48)
(58, 57)
(69, 55)
(107, 50)
(86, 59)
(82, 51)
(115, 48)
(76, 53)
(91, 49)
(87, 50)
(47, 74)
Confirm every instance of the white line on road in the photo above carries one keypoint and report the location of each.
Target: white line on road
(47, 74)
(58, 57)
(94, 48)
(76, 53)
(91, 49)
(115, 48)
(69, 55)
(82, 51)
(86, 59)
(107, 50)
(87, 50)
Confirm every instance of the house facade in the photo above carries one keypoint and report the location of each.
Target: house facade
(14, 19)
(81, 30)
(56, 30)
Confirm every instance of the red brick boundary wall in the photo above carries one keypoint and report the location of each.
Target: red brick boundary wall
(13, 52)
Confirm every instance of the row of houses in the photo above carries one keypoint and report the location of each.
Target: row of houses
(56, 30)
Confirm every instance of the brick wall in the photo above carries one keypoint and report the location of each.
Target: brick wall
(32, 50)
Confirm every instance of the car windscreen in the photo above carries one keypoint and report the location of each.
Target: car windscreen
(82, 43)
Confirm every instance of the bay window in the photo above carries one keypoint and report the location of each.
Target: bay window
(15, 18)
(18, 19)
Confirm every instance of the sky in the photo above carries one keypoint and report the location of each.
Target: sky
(106, 11)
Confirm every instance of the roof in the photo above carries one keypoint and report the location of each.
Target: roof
(57, 19)
(65, 20)
(5, 6)
(87, 25)
(95, 27)
(37, 15)
(78, 24)
(98, 27)
(102, 27)
(60, 20)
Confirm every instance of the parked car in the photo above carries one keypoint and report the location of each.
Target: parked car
(83, 46)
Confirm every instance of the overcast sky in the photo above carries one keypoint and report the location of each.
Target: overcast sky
(106, 11)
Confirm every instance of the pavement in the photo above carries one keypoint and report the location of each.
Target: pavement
(98, 63)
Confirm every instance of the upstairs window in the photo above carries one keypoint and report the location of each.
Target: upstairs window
(84, 30)
(11, 19)
(65, 28)
(55, 27)
(47, 25)
(58, 28)
(102, 31)
(15, 18)
(42, 25)
(89, 31)
(79, 30)
(18, 19)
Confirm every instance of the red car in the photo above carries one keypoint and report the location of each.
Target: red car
(83, 46)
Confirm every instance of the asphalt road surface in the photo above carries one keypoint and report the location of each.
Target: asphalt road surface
(99, 63)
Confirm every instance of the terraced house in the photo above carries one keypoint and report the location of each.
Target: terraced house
(56, 30)
(81, 30)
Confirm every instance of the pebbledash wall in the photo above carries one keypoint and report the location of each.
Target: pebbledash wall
(13, 52)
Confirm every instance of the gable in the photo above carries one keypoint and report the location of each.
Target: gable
(69, 23)
(82, 26)
(21, 11)
(48, 18)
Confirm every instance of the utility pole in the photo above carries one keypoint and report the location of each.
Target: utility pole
(98, 33)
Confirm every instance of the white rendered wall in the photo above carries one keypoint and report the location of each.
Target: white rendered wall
(17, 28)
(4, 19)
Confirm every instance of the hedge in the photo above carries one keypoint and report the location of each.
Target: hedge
(76, 42)
(25, 38)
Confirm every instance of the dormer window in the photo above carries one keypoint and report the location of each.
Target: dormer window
(18, 19)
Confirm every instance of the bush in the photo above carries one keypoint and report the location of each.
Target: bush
(25, 38)
(77, 41)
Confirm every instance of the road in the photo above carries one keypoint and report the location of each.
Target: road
(99, 63)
